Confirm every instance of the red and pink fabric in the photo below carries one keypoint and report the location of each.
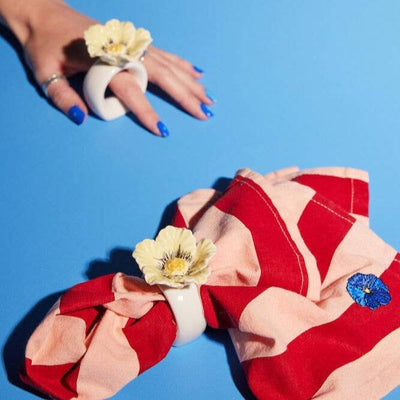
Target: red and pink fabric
(288, 244)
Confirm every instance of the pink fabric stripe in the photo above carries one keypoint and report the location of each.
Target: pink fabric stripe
(340, 172)
(44, 348)
(284, 174)
(361, 250)
(109, 363)
(133, 296)
(275, 318)
(236, 262)
(193, 205)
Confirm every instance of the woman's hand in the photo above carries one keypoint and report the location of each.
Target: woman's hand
(51, 34)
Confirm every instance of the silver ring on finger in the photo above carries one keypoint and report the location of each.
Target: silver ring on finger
(49, 81)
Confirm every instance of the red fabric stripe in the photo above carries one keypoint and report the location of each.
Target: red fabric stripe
(350, 194)
(49, 379)
(223, 305)
(281, 262)
(323, 226)
(298, 373)
(71, 379)
(361, 198)
(178, 220)
(88, 294)
(152, 335)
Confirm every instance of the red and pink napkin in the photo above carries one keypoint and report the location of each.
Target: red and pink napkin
(309, 293)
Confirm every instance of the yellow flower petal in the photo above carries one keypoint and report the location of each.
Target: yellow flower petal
(95, 38)
(174, 259)
(114, 30)
(172, 239)
(94, 32)
(128, 33)
(154, 276)
(200, 277)
(148, 253)
(204, 251)
(116, 42)
(141, 42)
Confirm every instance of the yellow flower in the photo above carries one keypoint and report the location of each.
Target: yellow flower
(117, 43)
(174, 258)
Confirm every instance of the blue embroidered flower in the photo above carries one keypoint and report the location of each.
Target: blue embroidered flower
(368, 291)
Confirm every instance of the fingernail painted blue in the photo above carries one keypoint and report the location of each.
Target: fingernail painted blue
(76, 114)
(211, 97)
(208, 113)
(198, 69)
(163, 129)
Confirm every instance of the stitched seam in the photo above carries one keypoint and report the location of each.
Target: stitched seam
(281, 228)
(333, 212)
(352, 195)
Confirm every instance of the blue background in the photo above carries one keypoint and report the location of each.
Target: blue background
(306, 83)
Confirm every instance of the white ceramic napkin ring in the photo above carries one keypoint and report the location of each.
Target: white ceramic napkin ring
(188, 311)
(95, 84)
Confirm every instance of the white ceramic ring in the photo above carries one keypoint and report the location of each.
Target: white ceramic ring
(188, 312)
(95, 84)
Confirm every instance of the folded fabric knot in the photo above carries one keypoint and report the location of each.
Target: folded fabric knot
(288, 281)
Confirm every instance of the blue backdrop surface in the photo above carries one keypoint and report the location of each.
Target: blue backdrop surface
(306, 83)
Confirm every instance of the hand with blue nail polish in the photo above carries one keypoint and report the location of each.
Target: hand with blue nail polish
(173, 75)
(207, 112)
(51, 34)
